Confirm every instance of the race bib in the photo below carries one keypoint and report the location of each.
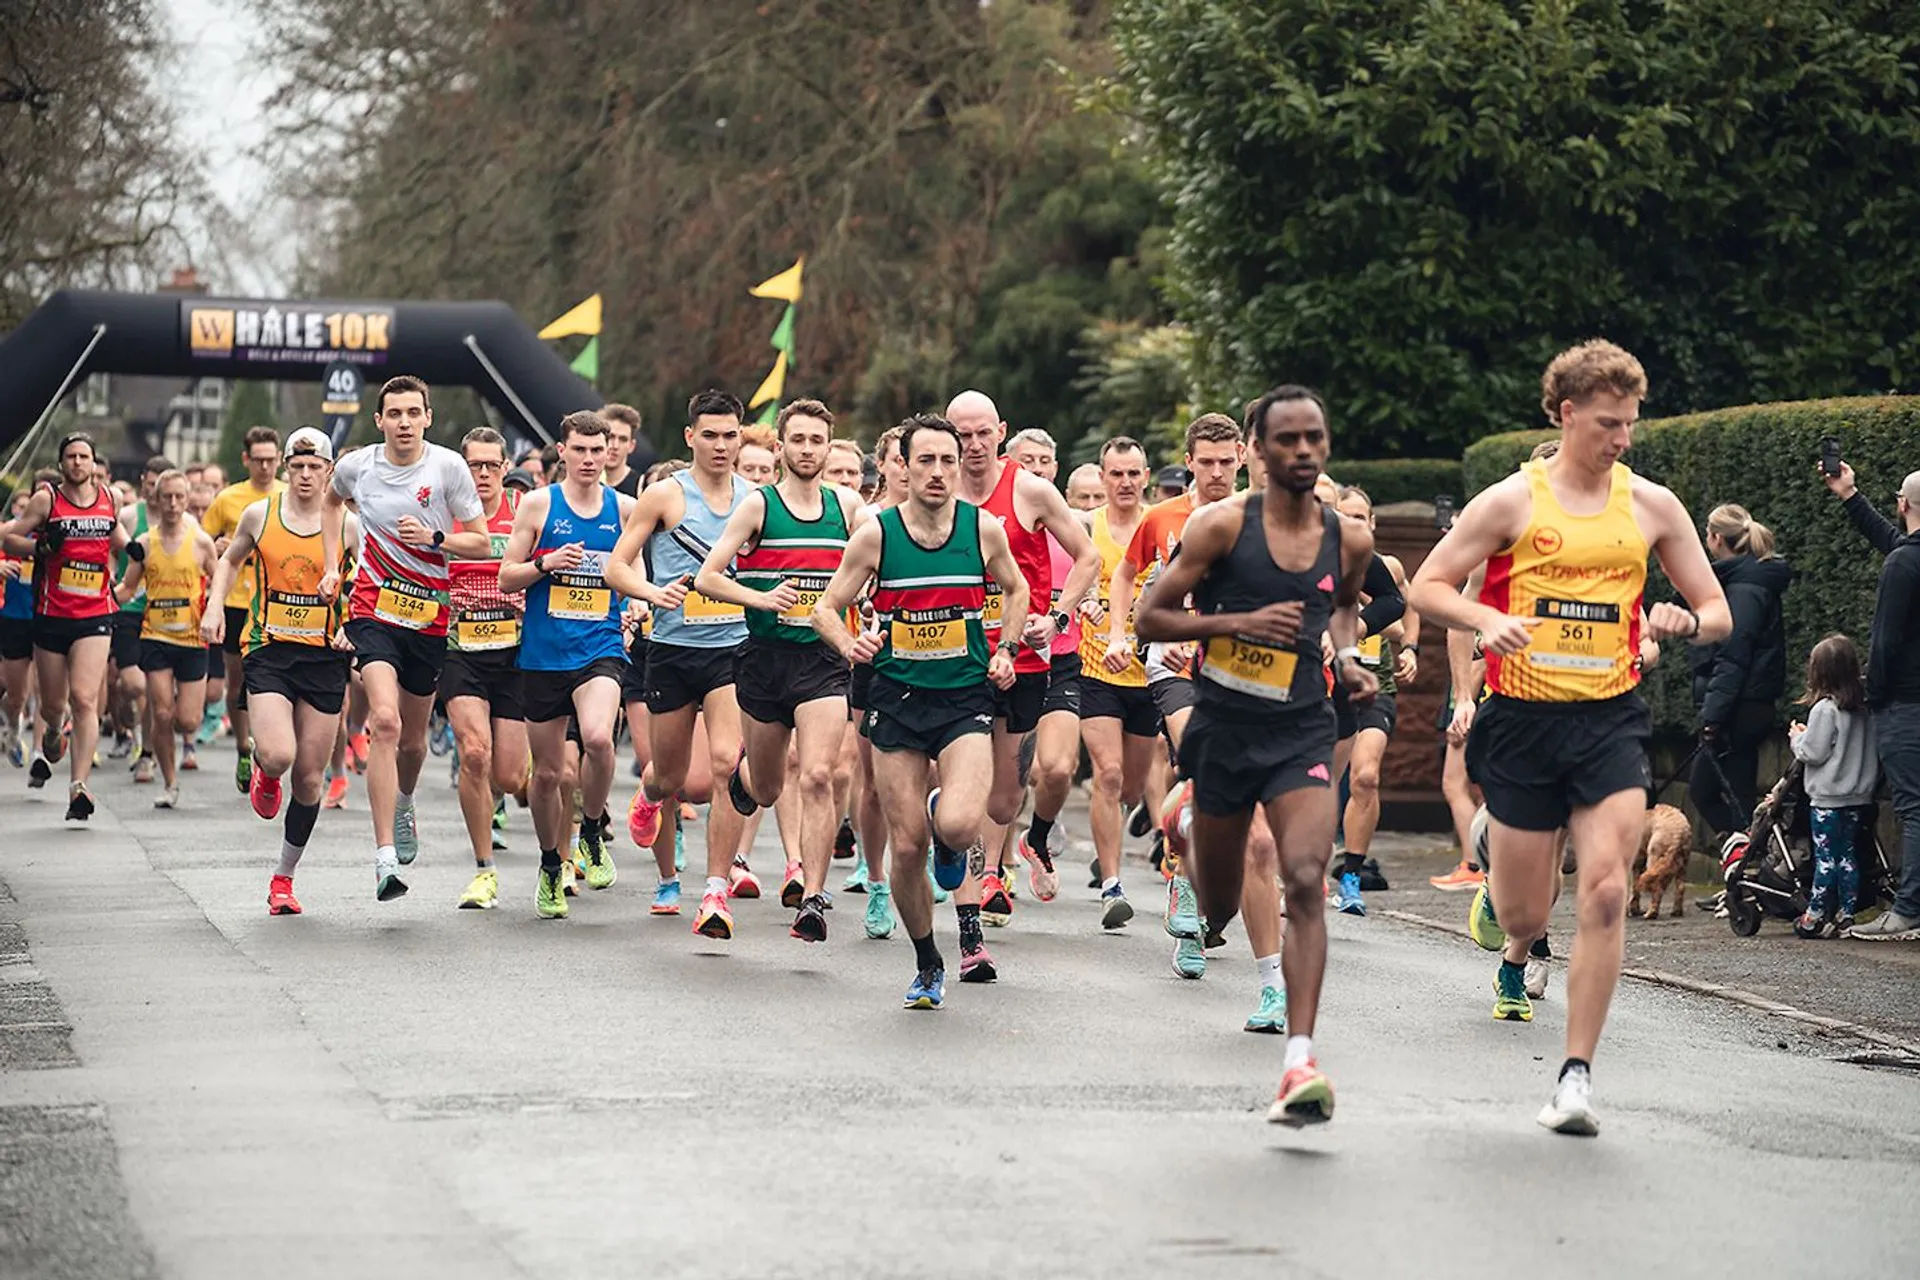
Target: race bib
(82, 578)
(1576, 636)
(579, 598)
(175, 617)
(405, 605)
(1373, 650)
(926, 641)
(479, 630)
(698, 611)
(1249, 667)
(990, 610)
(800, 612)
(295, 618)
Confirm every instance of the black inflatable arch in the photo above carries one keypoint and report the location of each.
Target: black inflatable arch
(483, 345)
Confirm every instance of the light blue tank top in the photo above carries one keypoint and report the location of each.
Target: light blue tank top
(572, 616)
(699, 623)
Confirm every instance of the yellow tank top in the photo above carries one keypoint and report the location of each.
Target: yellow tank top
(286, 606)
(176, 591)
(1093, 640)
(1584, 576)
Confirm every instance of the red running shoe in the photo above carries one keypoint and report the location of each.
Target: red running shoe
(280, 899)
(741, 882)
(265, 794)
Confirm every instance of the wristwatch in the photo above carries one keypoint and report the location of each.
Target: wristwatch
(439, 537)
(1061, 621)
(1008, 647)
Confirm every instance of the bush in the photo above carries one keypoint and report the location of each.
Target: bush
(1400, 479)
(1763, 457)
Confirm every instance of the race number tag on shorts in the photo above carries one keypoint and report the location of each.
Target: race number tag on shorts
(1249, 667)
(82, 578)
(405, 605)
(698, 611)
(926, 641)
(478, 630)
(175, 617)
(1576, 636)
(300, 619)
(800, 612)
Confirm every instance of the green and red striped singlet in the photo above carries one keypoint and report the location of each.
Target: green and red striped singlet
(927, 601)
(803, 552)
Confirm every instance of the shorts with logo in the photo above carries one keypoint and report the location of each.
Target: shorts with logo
(1383, 713)
(1132, 707)
(1239, 764)
(492, 675)
(680, 675)
(125, 651)
(16, 639)
(56, 635)
(300, 673)
(928, 721)
(1063, 685)
(1172, 695)
(548, 695)
(187, 662)
(1536, 761)
(415, 658)
(633, 681)
(1022, 703)
(774, 677)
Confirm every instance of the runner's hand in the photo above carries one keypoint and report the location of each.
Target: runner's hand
(1462, 722)
(1506, 635)
(1277, 623)
(213, 626)
(1038, 633)
(865, 646)
(1406, 667)
(1000, 669)
(9, 568)
(411, 531)
(1178, 658)
(565, 557)
(341, 642)
(330, 586)
(674, 592)
(221, 544)
(1093, 610)
(1116, 657)
(1361, 683)
(1671, 622)
(782, 597)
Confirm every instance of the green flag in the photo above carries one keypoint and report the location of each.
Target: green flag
(783, 336)
(768, 414)
(587, 363)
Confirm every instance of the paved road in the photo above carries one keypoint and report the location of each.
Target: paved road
(412, 1090)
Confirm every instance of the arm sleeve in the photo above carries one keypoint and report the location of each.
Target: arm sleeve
(1386, 605)
(1872, 525)
(1823, 728)
(1733, 656)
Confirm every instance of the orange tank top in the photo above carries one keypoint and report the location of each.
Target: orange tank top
(1584, 577)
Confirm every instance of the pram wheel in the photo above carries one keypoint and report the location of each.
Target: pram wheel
(1743, 914)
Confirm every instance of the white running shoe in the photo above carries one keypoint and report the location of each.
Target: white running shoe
(1570, 1110)
(1538, 967)
(168, 799)
(387, 884)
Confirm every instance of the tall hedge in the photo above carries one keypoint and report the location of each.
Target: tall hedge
(1400, 479)
(1764, 457)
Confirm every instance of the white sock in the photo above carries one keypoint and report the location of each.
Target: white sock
(1299, 1050)
(1110, 884)
(1270, 971)
(404, 800)
(717, 884)
(385, 853)
(289, 859)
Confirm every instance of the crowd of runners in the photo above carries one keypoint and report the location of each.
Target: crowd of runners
(902, 654)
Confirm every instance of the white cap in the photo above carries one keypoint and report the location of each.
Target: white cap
(310, 440)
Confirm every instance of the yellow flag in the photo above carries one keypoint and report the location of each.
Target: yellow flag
(785, 286)
(774, 384)
(584, 318)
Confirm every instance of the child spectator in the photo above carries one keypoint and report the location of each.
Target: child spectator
(1836, 745)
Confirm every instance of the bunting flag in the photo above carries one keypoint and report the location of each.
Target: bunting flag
(772, 385)
(585, 319)
(587, 363)
(784, 287)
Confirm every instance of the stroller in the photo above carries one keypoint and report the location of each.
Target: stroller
(1769, 870)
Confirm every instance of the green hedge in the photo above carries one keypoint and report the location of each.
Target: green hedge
(1764, 457)
(1400, 479)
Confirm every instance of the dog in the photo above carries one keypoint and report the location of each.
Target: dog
(1666, 842)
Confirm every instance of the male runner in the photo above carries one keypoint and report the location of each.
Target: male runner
(417, 506)
(260, 448)
(133, 708)
(1029, 511)
(930, 560)
(16, 641)
(572, 652)
(73, 609)
(1084, 490)
(480, 685)
(1269, 572)
(844, 463)
(1561, 740)
(758, 461)
(792, 689)
(623, 428)
(296, 680)
(169, 574)
(691, 648)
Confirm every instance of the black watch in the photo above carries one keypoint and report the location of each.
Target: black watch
(1061, 621)
(540, 564)
(1008, 647)
(439, 537)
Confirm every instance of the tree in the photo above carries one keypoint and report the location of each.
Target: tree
(251, 405)
(1413, 205)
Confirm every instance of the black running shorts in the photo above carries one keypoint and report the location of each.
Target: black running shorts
(1022, 703)
(415, 658)
(56, 635)
(187, 662)
(633, 680)
(1132, 707)
(1172, 695)
(774, 677)
(858, 685)
(299, 673)
(1237, 765)
(1383, 713)
(491, 675)
(16, 639)
(927, 721)
(548, 695)
(125, 653)
(1063, 686)
(236, 628)
(679, 675)
(1538, 761)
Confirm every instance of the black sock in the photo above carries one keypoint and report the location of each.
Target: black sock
(970, 936)
(1350, 863)
(1039, 831)
(549, 859)
(1540, 950)
(1519, 970)
(1571, 1063)
(593, 830)
(300, 820)
(926, 955)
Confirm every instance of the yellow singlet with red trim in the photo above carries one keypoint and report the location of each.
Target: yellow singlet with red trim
(1584, 577)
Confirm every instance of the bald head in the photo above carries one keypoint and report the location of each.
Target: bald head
(1910, 489)
(972, 404)
(978, 424)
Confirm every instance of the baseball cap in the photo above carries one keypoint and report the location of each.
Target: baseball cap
(1173, 477)
(520, 478)
(310, 440)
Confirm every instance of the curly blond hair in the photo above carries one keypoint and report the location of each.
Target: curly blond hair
(1594, 366)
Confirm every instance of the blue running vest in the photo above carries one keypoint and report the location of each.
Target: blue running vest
(573, 616)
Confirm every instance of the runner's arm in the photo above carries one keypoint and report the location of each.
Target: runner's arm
(1162, 614)
(1119, 600)
(332, 521)
(1489, 523)
(227, 567)
(1685, 563)
(129, 584)
(203, 552)
(1062, 521)
(1013, 584)
(623, 572)
(1357, 562)
(19, 532)
(517, 570)
(743, 526)
(1386, 599)
(470, 541)
(849, 580)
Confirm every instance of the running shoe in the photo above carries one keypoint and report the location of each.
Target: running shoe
(143, 770)
(679, 847)
(39, 773)
(741, 882)
(79, 803)
(168, 799)
(243, 772)
(977, 965)
(1538, 968)
(1570, 1110)
(549, 898)
(1510, 1003)
(387, 884)
(996, 908)
(569, 878)
(496, 841)
(1189, 958)
(357, 750)
(940, 896)
(280, 899)
(500, 814)
(1463, 877)
(856, 881)
(1481, 924)
(643, 819)
(406, 832)
(879, 911)
(929, 989)
(811, 924)
(845, 843)
(1305, 1097)
(264, 792)
(122, 746)
(440, 736)
(190, 757)
(1346, 897)
(743, 802)
(689, 813)
(483, 891)
(1140, 821)
(1115, 910)
(595, 856)
(1009, 881)
(714, 920)
(1888, 926)
(949, 865)
(793, 888)
(209, 725)
(10, 741)
(1042, 878)
(1183, 910)
(666, 899)
(1271, 1017)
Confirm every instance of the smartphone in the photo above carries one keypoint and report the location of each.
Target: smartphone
(1830, 455)
(1443, 511)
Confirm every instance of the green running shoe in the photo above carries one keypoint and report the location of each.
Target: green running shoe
(879, 911)
(406, 833)
(500, 814)
(594, 855)
(1510, 1003)
(1189, 958)
(243, 772)
(1481, 925)
(1271, 1017)
(548, 897)
(856, 881)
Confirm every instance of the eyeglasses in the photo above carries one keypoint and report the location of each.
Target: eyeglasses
(486, 466)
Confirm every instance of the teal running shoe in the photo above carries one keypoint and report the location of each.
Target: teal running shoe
(1481, 924)
(500, 814)
(666, 898)
(1190, 958)
(1271, 1017)
(406, 833)
(679, 847)
(1183, 909)
(879, 911)
(929, 989)
(856, 881)
(1510, 1003)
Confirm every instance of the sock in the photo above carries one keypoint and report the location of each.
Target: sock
(926, 955)
(1039, 831)
(1350, 863)
(1572, 1064)
(385, 853)
(483, 864)
(1299, 1052)
(1269, 967)
(1540, 950)
(404, 800)
(1109, 885)
(1508, 968)
(673, 881)
(289, 858)
(717, 884)
(549, 859)
(300, 820)
(971, 938)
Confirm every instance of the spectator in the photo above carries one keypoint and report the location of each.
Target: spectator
(1738, 683)
(1836, 743)
(1893, 682)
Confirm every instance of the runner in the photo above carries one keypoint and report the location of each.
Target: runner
(572, 653)
(930, 560)
(1561, 738)
(134, 729)
(73, 610)
(789, 537)
(758, 461)
(1269, 572)
(260, 448)
(168, 569)
(16, 642)
(623, 428)
(690, 650)
(1084, 490)
(296, 679)
(417, 506)
(480, 685)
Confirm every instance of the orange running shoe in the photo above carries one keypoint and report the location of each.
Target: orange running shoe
(280, 899)
(1305, 1097)
(995, 906)
(336, 797)
(714, 920)
(357, 748)
(643, 819)
(794, 889)
(1462, 878)
(741, 882)
(265, 794)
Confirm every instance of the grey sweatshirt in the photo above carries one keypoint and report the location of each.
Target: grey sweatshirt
(1837, 747)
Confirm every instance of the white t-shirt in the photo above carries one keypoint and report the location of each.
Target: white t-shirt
(405, 586)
